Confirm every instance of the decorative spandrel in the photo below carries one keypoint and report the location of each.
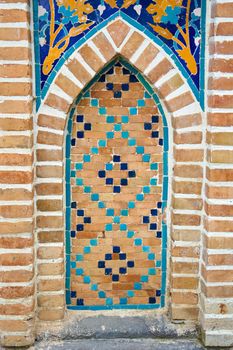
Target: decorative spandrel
(61, 24)
(116, 185)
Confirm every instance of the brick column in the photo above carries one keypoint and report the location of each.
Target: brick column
(16, 176)
(217, 263)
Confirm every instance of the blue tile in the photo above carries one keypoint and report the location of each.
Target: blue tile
(125, 119)
(108, 227)
(94, 102)
(94, 197)
(86, 250)
(125, 134)
(116, 219)
(140, 149)
(109, 166)
(117, 127)
(102, 110)
(133, 111)
(87, 158)
(102, 143)
(131, 142)
(141, 103)
(110, 119)
(137, 286)
(86, 279)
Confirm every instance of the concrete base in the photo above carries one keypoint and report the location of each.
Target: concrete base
(122, 344)
(109, 327)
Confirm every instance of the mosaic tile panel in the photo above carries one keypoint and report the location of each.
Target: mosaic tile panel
(60, 26)
(116, 168)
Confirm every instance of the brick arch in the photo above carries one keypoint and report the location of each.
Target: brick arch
(184, 115)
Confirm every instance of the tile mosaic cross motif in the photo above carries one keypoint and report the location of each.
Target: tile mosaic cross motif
(115, 173)
(178, 26)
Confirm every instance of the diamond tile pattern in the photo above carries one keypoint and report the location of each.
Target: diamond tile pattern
(116, 177)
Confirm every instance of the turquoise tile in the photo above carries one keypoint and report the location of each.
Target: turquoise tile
(102, 294)
(94, 287)
(110, 135)
(87, 94)
(131, 205)
(151, 256)
(79, 257)
(110, 119)
(146, 249)
(79, 182)
(117, 127)
(146, 157)
(102, 110)
(68, 299)
(86, 279)
(108, 227)
(87, 250)
(94, 150)
(87, 189)
(146, 95)
(125, 119)
(133, 111)
(139, 197)
(79, 272)
(125, 134)
(108, 166)
(124, 212)
(131, 142)
(146, 189)
(141, 103)
(144, 279)
(137, 286)
(109, 301)
(123, 301)
(94, 197)
(130, 234)
(73, 264)
(116, 219)
(110, 212)
(130, 293)
(79, 166)
(93, 242)
(140, 149)
(153, 182)
(94, 102)
(67, 168)
(101, 205)
(86, 158)
(102, 143)
(158, 263)
(123, 227)
(138, 241)
(154, 166)
(72, 173)
(152, 271)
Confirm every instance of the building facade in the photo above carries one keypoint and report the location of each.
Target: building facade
(116, 163)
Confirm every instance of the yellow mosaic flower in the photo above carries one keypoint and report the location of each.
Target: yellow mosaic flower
(159, 8)
(81, 8)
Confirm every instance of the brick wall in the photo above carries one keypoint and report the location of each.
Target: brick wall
(217, 256)
(16, 175)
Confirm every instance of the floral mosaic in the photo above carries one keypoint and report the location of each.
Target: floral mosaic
(62, 24)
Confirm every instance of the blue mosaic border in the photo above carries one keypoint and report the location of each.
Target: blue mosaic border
(150, 90)
(40, 94)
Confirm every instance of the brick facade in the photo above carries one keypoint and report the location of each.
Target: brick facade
(198, 213)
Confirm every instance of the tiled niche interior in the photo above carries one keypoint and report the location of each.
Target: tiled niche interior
(116, 192)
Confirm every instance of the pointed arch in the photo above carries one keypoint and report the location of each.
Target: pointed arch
(184, 115)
